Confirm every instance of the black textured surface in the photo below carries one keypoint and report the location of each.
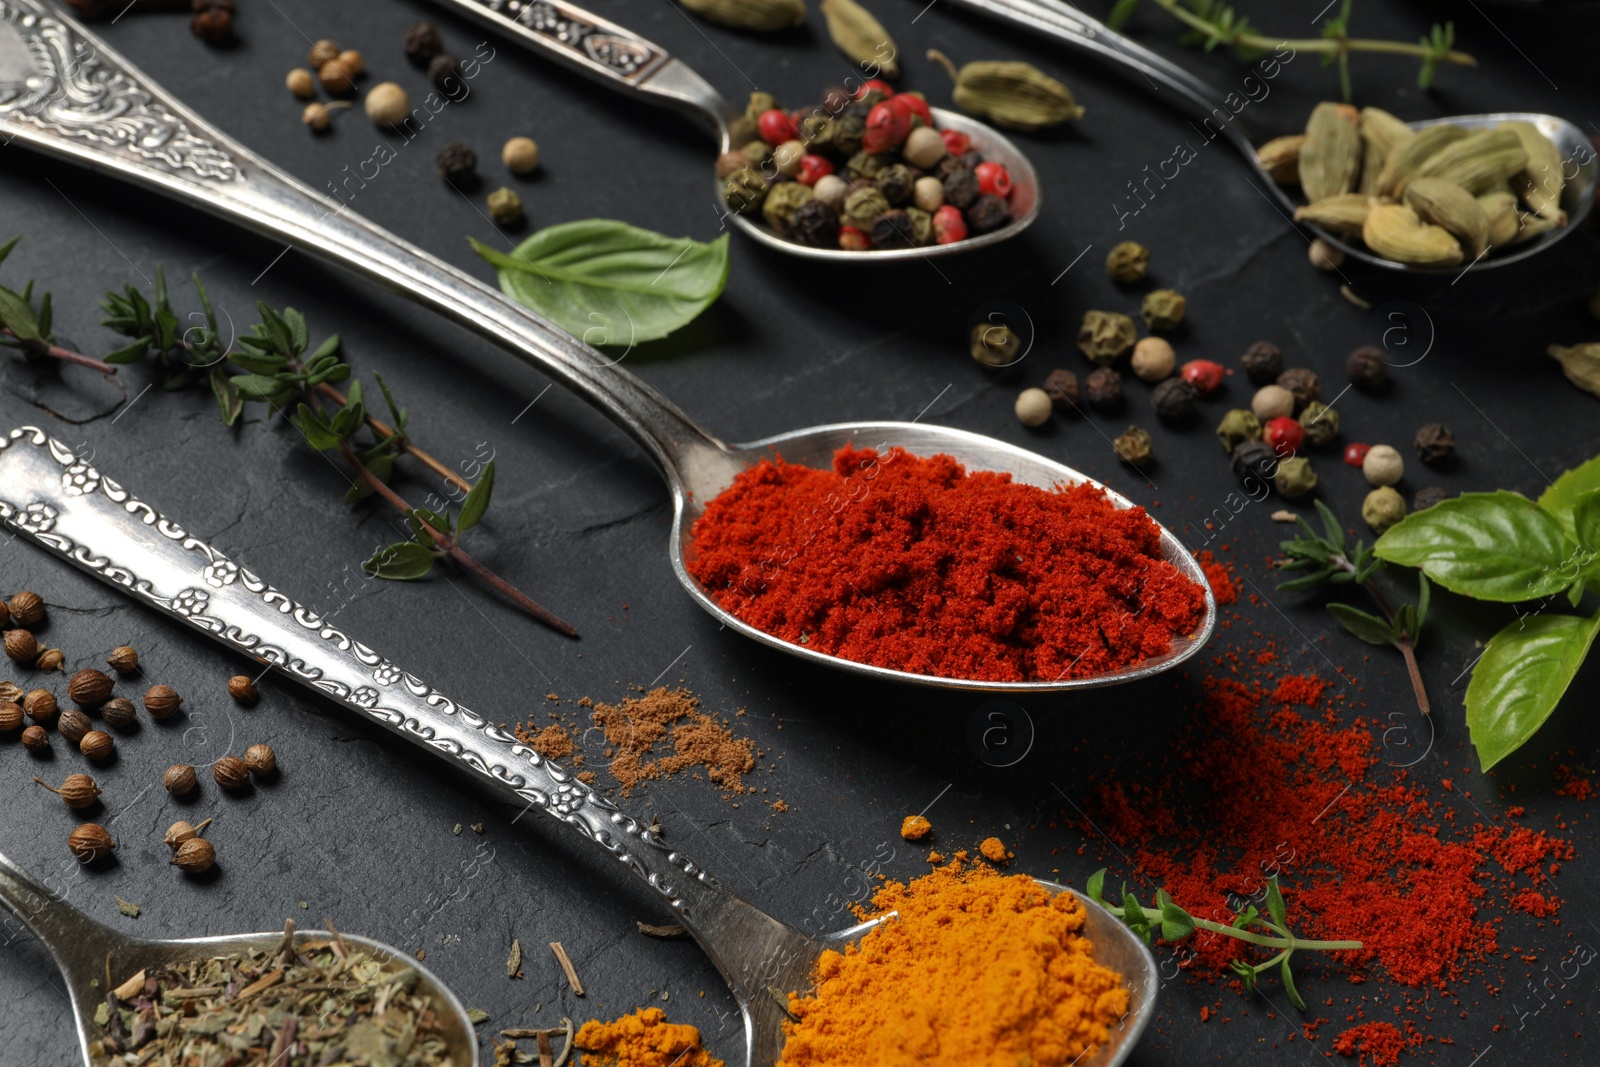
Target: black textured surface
(359, 824)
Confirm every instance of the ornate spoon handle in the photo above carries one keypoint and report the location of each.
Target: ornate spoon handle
(69, 508)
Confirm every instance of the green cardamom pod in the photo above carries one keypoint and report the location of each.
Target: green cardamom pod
(1396, 232)
(1478, 162)
(1540, 181)
(1016, 95)
(1343, 214)
(1501, 208)
(1280, 158)
(763, 16)
(1381, 136)
(1403, 161)
(1580, 363)
(1330, 158)
(1446, 204)
(862, 38)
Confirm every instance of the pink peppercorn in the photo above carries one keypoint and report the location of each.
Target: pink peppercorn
(1283, 434)
(948, 225)
(1355, 453)
(993, 179)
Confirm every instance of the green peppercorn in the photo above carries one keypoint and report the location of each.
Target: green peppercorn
(760, 103)
(863, 208)
(744, 191)
(866, 166)
(1163, 309)
(1127, 262)
(757, 151)
(1133, 445)
(841, 135)
(1238, 426)
(994, 344)
(505, 207)
(921, 226)
(1106, 336)
(1383, 508)
(783, 200)
(1320, 422)
(1294, 477)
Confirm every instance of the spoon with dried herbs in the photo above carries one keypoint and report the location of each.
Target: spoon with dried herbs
(282, 998)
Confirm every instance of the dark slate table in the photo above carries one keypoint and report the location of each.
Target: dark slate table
(359, 827)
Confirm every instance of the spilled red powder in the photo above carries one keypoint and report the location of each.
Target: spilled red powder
(1299, 689)
(1570, 783)
(1382, 1042)
(915, 564)
(1223, 587)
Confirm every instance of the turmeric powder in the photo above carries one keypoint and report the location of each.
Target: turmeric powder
(977, 968)
(643, 1039)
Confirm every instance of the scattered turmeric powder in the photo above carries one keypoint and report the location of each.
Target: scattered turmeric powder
(643, 1039)
(915, 828)
(993, 850)
(1030, 990)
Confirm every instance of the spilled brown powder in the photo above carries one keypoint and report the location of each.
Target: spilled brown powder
(553, 742)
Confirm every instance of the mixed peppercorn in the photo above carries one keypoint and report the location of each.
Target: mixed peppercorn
(862, 171)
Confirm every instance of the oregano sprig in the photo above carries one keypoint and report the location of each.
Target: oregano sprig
(1333, 559)
(1173, 924)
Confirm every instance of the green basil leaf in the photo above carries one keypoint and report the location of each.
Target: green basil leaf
(229, 402)
(1563, 494)
(1585, 529)
(1520, 678)
(609, 283)
(1490, 546)
(1368, 627)
(477, 501)
(403, 562)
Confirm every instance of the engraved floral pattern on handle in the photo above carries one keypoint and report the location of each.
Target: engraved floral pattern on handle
(590, 38)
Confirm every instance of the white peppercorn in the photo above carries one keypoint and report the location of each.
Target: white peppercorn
(1153, 359)
(521, 155)
(1272, 402)
(1033, 407)
(787, 156)
(927, 192)
(1383, 465)
(387, 104)
(832, 189)
(923, 147)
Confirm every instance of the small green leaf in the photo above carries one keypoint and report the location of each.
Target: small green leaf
(1563, 494)
(46, 316)
(1288, 983)
(417, 516)
(299, 336)
(403, 562)
(5, 250)
(1275, 906)
(1424, 595)
(1520, 679)
(382, 468)
(1094, 887)
(1330, 525)
(17, 316)
(258, 386)
(1176, 924)
(397, 414)
(229, 402)
(1585, 515)
(1490, 546)
(1121, 11)
(132, 352)
(318, 433)
(477, 501)
(1368, 627)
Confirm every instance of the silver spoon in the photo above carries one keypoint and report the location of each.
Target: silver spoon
(99, 111)
(622, 60)
(1061, 21)
(74, 512)
(88, 952)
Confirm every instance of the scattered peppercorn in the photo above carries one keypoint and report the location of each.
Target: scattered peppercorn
(40, 704)
(444, 71)
(213, 23)
(1302, 382)
(260, 759)
(242, 689)
(324, 51)
(123, 660)
(988, 214)
(1272, 402)
(923, 147)
(301, 82)
(387, 104)
(34, 739)
(1237, 427)
(1133, 445)
(1062, 385)
(815, 225)
(520, 155)
(1294, 477)
(1153, 359)
(97, 745)
(505, 207)
(1320, 422)
(89, 688)
(1033, 407)
(178, 779)
(161, 701)
(423, 42)
(20, 646)
(1324, 256)
(27, 609)
(1104, 389)
(73, 725)
(994, 344)
(1355, 453)
(10, 716)
(1127, 262)
(1106, 336)
(1173, 401)
(1284, 434)
(195, 856)
(231, 772)
(1368, 368)
(458, 165)
(1163, 309)
(1435, 444)
(119, 713)
(1263, 362)
(89, 842)
(1382, 508)
(1383, 465)
(1204, 374)
(51, 659)
(1429, 496)
(79, 791)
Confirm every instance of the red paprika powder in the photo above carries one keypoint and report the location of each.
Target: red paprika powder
(916, 564)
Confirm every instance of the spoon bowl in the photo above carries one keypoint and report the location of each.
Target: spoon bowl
(90, 955)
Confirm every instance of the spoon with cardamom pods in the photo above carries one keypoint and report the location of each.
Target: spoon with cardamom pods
(120, 988)
(624, 61)
(1498, 189)
(71, 511)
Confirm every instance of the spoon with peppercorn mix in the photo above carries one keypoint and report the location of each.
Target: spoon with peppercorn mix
(622, 60)
(84, 518)
(108, 974)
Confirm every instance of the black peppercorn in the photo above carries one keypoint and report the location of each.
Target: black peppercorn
(213, 23)
(815, 224)
(1428, 497)
(961, 188)
(988, 214)
(1062, 385)
(1263, 362)
(950, 164)
(458, 165)
(423, 43)
(1368, 368)
(1435, 444)
(893, 229)
(1173, 400)
(444, 71)
(1303, 383)
(1104, 389)
(895, 183)
(1254, 460)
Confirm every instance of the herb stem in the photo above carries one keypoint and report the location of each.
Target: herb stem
(1407, 645)
(387, 432)
(1339, 45)
(64, 354)
(449, 547)
(1264, 940)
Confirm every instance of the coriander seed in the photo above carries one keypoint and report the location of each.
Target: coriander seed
(119, 712)
(89, 688)
(1368, 368)
(423, 42)
(335, 79)
(1062, 385)
(1033, 406)
(1382, 508)
(77, 792)
(1127, 262)
(34, 739)
(51, 659)
(1383, 465)
(1429, 496)
(1302, 382)
(182, 831)
(11, 691)
(73, 725)
(521, 155)
(230, 772)
(316, 116)
(10, 716)
(324, 51)
(505, 207)
(5, 614)
(387, 104)
(1435, 444)
(1272, 402)
(301, 82)
(89, 842)
(161, 701)
(260, 759)
(1104, 389)
(123, 660)
(242, 689)
(195, 856)
(352, 62)
(27, 609)
(1153, 359)
(1263, 362)
(179, 779)
(97, 745)
(20, 646)
(1133, 445)
(40, 704)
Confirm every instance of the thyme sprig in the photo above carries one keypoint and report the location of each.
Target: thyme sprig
(1214, 24)
(1173, 923)
(1334, 560)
